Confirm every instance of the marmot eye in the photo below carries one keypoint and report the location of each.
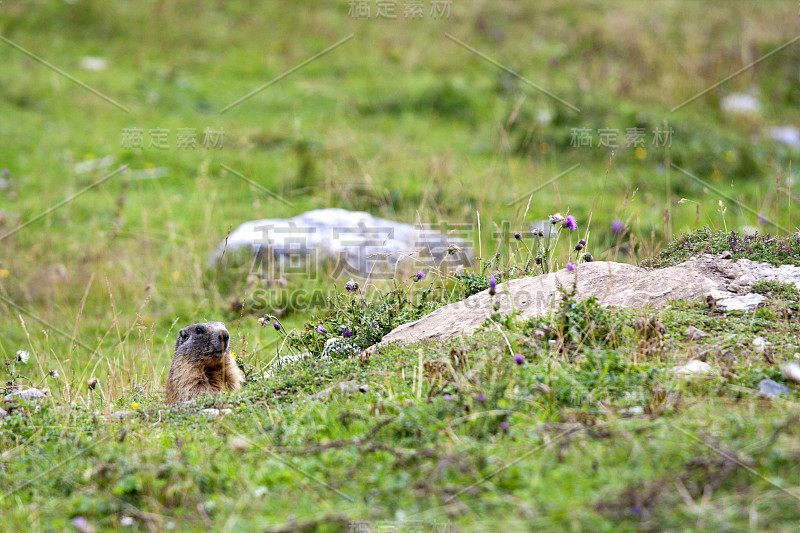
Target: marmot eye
(198, 330)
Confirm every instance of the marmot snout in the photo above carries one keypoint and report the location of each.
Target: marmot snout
(202, 363)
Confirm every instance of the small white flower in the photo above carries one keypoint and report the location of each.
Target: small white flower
(127, 521)
(53, 374)
(557, 218)
(23, 356)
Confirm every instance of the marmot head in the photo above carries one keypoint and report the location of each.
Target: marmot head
(203, 342)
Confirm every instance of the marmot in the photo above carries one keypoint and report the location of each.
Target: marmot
(202, 363)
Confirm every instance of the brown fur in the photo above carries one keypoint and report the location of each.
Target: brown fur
(202, 363)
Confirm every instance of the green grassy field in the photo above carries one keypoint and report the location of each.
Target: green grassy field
(439, 119)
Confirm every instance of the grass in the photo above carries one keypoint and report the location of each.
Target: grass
(599, 436)
(762, 248)
(405, 123)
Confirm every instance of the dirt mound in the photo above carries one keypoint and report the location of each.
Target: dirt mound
(613, 284)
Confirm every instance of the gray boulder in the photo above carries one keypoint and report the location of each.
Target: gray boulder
(613, 284)
(354, 243)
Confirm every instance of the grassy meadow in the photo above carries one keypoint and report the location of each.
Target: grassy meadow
(480, 117)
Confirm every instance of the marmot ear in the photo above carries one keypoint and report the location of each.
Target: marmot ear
(182, 336)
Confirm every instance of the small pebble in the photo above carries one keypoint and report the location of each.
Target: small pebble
(741, 303)
(216, 412)
(772, 389)
(239, 444)
(636, 410)
(692, 333)
(726, 254)
(760, 344)
(693, 368)
(791, 371)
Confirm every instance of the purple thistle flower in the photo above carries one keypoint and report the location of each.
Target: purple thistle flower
(519, 358)
(579, 246)
(570, 266)
(504, 425)
(276, 325)
(570, 223)
(537, 232)
(351, 286)
(481, 397)
(446, 396)
(321, 330)
(517, 236)
(492, 284)
(582, 241)
(420, 275)
(616, 227)
(347, 333)
(761, 219)
(497, 255)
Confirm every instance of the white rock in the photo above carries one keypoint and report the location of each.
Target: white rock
(694, 368)
(544, 116)
(760, 344)
(27, 394)
(216, 412)
(613, 284)
(360, 243)
(741, 303)
(93, 63)
(636, 410)
(791, 371)
(3, 414)
(740, 103)
(692, 333)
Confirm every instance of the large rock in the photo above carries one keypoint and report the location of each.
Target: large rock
(353, 243)
(613, 284)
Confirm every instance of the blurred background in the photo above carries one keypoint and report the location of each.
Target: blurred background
(640, 119)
